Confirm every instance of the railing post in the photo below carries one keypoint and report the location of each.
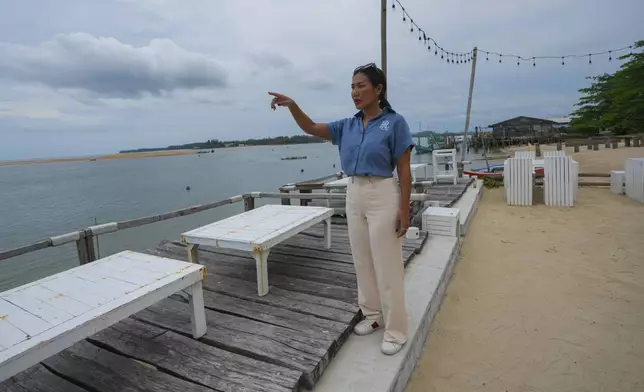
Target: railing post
(627, 141)
(305, 202)
(249, 203)
(285, 201)
(85, 249)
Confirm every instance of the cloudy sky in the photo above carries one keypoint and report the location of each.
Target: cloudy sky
(80, 77)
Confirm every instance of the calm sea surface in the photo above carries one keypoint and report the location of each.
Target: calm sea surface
(39, 201)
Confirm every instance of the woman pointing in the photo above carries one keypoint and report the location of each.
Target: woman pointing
(372, 143)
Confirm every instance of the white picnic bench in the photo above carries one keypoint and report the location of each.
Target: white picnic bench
(43, 318)
(257, 231)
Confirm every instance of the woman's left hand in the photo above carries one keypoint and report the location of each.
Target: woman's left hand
(402, 222)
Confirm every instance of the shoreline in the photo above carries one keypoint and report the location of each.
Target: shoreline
(106, 157)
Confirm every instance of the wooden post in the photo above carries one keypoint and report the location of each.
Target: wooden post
(249, 203)
(576, 147)
(285, 201)
(85, 249)
(558, 146)
(590, 143)
(469, 100)
(383, 36)
(614, 144)
(607, 145)
(627, 141)
(305, 202)
(636, 142)
(596, 146)
(537, 149)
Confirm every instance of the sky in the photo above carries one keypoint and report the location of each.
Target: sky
(84, 77)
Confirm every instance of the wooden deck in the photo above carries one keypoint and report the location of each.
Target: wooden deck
(445, 193)
(274, 343)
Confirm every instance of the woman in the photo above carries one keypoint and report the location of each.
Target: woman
(372, 143)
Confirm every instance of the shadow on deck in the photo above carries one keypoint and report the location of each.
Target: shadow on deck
(274, 343)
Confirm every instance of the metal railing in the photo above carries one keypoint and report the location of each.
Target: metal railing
(85, 238)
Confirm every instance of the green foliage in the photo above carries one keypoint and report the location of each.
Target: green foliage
(490, 182)
(614, 102)
(214, 143)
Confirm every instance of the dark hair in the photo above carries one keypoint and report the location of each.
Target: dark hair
(376, 77)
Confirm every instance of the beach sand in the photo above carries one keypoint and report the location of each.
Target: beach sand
(602, 161)
(545, 299)
(133, 155)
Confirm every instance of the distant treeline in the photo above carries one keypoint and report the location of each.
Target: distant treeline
(214, 143)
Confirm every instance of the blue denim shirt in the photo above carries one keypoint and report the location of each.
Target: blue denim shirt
(373, 151)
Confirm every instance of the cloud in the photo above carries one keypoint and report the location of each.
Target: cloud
(109, 68)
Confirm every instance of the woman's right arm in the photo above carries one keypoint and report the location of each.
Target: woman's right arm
(303, 121)
(307, 125)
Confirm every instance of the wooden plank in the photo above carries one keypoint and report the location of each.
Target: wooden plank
(304, 243)
(266, 342)
(271, 315)
(263, 342)
(342, 236)
(284, 299)
(38, 379)
(345, 294)
(102, 371)
(201, 363)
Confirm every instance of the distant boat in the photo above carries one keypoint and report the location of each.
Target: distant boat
(495, 169)
(434, 142)
(292, 158)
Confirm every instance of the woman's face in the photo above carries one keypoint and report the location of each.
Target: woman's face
(363, 93)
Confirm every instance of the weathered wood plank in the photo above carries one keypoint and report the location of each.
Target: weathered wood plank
(295, 260)
(306, 243)
(38, 379)
(337, 245)
(102, 371)
(303, 323)
(201, 363)
(253, 339)
(313, 254)
(280, 298)
(345, 294)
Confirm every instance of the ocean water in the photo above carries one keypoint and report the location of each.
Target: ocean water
(40, 201)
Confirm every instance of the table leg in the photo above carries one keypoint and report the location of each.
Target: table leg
(261, 261)
(193, 253)
(197, 310)
(327, 233)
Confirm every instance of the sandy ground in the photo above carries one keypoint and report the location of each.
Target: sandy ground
(602, 161)
(101, 157)
(544, 299)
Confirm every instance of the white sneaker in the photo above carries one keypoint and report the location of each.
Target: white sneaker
(390, 348)
(365, 327)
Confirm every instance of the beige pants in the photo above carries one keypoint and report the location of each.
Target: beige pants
(372, 207)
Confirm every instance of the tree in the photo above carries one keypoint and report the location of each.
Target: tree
(614, 102)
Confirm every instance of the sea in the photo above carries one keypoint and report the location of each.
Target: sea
(43, 200)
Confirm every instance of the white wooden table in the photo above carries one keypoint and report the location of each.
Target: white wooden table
(42, 318)
(257, 231)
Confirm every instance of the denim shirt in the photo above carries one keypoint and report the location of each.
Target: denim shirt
(374, 150)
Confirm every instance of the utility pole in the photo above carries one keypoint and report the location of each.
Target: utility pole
(383, 36)
(469, 103)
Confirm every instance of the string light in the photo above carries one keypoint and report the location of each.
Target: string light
(466, 57)
(448, 56)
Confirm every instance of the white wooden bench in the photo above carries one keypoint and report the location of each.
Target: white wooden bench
(42, 318)
(257, 231)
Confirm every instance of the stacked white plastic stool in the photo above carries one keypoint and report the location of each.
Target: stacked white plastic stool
(560, 179)
(518, 179)
(634, 178)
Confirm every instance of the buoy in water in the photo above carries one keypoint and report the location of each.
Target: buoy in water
(188, 188)
(301, 170)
